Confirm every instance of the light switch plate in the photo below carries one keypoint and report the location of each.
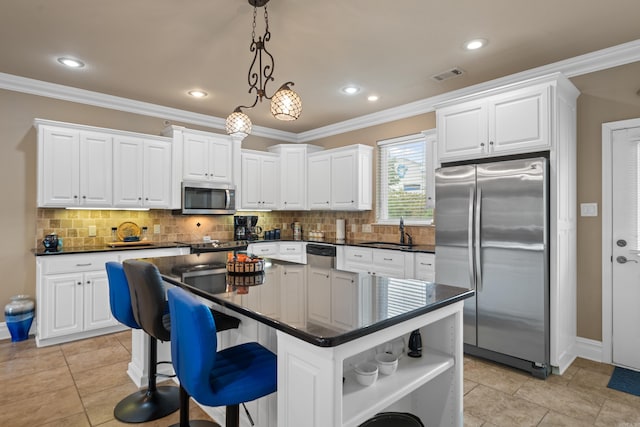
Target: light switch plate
(366, 228)
(588, 209)
(156, 228)
(92, 231)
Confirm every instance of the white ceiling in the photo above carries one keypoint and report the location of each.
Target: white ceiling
(156, 50)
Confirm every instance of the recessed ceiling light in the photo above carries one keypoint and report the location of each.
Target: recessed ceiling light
(197, 93)
(475, 44)
(372, 98)
(350, 90)
(71, 63)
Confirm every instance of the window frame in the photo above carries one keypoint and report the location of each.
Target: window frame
(428, 137)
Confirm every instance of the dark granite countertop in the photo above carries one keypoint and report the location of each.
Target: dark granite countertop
(89, 249)
(363, 243)
(380, 302)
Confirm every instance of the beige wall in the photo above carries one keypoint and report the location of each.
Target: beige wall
(605, 97)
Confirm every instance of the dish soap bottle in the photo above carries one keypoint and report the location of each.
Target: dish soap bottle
(144, 233)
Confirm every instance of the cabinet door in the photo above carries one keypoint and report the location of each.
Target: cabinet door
(293, 179)
(389, 263)
(59, 176)
(157, 174)
(220, 160)
(96, 169)
(462, 131)
(97, 308)
(425, 267)
(251, 193)
(263, 249)
(195, 158)
(269, 182)
(319, 169)
(519, 121)
(344, 301)
(128, 176)
(344, 180)
(62, 305)
(319, 294)
(292, 294)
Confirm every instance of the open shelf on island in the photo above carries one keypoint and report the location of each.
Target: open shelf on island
(360, 402)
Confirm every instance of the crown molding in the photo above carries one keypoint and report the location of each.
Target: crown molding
(603, 59)
(622, 54)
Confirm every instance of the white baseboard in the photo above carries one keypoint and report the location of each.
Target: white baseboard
(588, 349)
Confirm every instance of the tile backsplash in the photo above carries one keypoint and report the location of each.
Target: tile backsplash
(72, 226)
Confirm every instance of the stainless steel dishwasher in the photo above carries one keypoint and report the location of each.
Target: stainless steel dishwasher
(319, 255)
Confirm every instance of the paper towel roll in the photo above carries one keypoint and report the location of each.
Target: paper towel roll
(340, 229)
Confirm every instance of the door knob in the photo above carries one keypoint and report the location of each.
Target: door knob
(623, 260)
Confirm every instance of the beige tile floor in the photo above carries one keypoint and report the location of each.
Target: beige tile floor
(78, 384)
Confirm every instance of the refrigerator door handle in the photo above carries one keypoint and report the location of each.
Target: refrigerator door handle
(472, 282)
(478, 218)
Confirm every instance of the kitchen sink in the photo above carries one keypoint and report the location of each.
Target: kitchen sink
(385, 245)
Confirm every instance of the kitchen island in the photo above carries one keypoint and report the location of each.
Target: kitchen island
(316, 384)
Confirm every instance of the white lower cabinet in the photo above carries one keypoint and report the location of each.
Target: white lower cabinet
(334, 297)
(425, 266)
(293, 284)
(384, 262)
(286, 250)
(73, 298)
(73, 294)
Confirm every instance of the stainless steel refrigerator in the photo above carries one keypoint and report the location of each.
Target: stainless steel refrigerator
(492, 235)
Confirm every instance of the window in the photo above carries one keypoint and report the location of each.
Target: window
(405, 186)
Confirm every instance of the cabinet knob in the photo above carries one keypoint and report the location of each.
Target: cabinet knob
(75, 197)
(84, 197)
(79, 283)
(88, 282)
(139, 198)
(285, 203)
(482, 144)
(146, 198)
(327, 202)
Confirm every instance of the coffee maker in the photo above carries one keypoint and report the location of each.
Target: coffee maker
(245, 227)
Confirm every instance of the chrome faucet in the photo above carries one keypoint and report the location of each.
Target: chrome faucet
(401, 231)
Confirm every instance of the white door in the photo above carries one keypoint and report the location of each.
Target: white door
(626, 247)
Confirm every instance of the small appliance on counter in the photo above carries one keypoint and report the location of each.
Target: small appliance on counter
(297, 230)
(245, 227)
(50, 242)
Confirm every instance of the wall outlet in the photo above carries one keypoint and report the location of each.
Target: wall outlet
(354, 228)
(156, 228)
(366, 228)
(92, 231)
(285, 226)
(588, 209)
(318, 226)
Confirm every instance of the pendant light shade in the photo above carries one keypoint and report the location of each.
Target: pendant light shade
(238, 124)
(286, 104)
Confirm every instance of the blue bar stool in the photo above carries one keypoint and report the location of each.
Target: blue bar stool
(153, 402)
(225, 378)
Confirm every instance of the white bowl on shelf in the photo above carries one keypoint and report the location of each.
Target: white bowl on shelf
(366, 373)
(387, 363)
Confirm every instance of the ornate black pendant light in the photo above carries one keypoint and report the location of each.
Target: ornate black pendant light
(285, 103)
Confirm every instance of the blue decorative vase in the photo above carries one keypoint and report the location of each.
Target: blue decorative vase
(19, 316)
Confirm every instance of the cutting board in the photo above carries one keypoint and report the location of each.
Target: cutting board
(138, 243)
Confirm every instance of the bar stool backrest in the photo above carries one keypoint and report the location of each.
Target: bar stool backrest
(193, 342)
(148, 299)
(119, 295)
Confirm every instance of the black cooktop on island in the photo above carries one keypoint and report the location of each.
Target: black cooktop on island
(215, 245)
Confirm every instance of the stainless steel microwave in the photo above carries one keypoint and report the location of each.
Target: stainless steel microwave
(206, 198)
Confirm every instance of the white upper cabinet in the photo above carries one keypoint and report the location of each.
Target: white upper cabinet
(293, 175)
(142, 173)
(510, 122)
(74, 167)
(207, 157)
(345, 175)
(259, 183)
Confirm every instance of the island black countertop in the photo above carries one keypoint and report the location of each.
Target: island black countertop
(379, 302)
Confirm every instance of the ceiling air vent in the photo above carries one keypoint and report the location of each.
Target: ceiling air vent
(449, 74)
